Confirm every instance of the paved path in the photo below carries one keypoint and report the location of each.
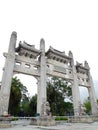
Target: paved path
(67, 126)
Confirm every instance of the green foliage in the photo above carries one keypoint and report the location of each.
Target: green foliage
(15, 119)
(58, 118)
(88, 107)
(57, 90)
(19, 103)
(69, 108)
(33, 105)
(25, 105)
(16, 94)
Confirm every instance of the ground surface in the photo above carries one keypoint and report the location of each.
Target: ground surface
(24, 125)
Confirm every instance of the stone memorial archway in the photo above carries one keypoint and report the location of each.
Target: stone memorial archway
(28, 60)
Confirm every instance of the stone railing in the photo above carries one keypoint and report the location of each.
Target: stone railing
(6, 122)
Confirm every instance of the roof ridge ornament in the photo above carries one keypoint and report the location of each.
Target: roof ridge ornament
(70, 54)
(86, 65)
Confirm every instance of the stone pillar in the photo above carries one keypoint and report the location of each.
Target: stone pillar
(94, 106)
(42, 80)
(7, 75)
(38, 96)
(75, 88)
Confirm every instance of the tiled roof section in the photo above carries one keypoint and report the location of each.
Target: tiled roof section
(28, 47)
(56, 52)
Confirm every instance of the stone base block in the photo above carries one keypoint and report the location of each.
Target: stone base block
(43, 121)
(5, 125)
(5, 122)
(81, 119)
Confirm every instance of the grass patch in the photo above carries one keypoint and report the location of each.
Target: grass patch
(61, 118)
(15, 119)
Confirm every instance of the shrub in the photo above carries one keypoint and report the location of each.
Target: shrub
(61, 118)
(15, 119)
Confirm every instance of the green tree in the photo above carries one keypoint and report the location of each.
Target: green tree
(87, 104)
(16, 94)
(57, 90)
(69, 108)
(33, 105)
(24, 105)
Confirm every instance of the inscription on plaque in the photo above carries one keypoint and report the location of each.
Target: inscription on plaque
(59, 69)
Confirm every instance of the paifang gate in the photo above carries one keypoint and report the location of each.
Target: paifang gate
(26, 59)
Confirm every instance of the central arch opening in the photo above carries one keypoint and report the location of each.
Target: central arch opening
(59, 96)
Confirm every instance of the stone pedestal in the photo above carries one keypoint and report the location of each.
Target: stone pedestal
(5, 122)
(81, 119)
(43, 121)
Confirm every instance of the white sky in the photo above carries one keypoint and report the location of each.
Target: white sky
(64, 24)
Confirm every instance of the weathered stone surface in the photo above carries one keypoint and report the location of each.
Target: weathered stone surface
(43, 121)
(5, 122)
(83, 119)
